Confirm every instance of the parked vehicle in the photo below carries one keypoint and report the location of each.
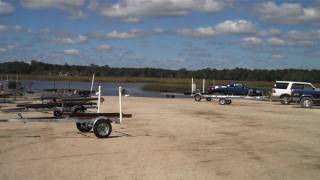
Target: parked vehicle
(307, 98)
(282, 90)
(237, 89)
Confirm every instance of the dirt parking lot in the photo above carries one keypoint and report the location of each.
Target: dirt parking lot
(170, 139)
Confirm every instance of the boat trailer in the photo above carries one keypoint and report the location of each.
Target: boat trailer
(223, 99)
(100, 123)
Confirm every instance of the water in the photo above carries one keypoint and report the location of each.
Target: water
(108, 89)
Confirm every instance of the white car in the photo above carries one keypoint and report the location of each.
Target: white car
(282, 90)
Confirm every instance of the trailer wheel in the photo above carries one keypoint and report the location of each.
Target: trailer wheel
(102, 128)
(222, 101)
(306, 102)
(57, 113)
(197, 97)
(228, 101)
(208, 99)
(84, 127)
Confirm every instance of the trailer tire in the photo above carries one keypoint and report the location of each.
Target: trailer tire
(208, 99)
(197, 97)
(84, 127)
(222, 101)
(102, 128)
(306, 102)
(229, 101)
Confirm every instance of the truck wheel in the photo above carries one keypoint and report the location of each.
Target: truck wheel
(197, 97)
(229, 101)
(208, 99)
(222, 101)
(57, 113)
(306, 102)
(285, 100)
(102, 128)
(84, 127)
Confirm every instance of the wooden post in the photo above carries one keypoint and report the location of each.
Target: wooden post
(99, 98)
(92, 81)
(191, 85)
(203, 84)
(120, 103)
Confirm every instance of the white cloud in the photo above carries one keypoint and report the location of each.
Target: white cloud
(235, 27)
(158, 30)
(198, 32)
(79, 39)
(274, 41)
(3, 50)
(13, 28)
(277, 56)
(11, 46)
(225, 28)
(270, 32)
(287, 13)
(71, 52)
(298, 35)
(73, 7)
(132, 20)
(274, 32)
(135, 9)
(44, 30)
(252, 41)
(8, 47)
(133, 33)
(6, 8)
(104, 47)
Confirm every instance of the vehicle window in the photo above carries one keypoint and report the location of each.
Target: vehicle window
(297, 86)
(281, 85)
(308, 87)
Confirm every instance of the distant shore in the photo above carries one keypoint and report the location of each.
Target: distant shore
(151, 84)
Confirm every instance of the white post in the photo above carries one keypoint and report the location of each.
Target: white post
(99, 98)
(120, 103)
(203, 84)
(92, 81)
(191, 85)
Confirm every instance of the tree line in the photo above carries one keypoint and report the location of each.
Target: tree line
(238, 74)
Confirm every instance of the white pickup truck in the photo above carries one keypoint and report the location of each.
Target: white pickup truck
(282, 90)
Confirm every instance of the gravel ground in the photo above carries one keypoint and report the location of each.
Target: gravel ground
(169, 139)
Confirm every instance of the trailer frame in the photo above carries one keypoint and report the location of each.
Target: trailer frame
(223, 99)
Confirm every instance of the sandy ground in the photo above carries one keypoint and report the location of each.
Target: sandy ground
(170, 139)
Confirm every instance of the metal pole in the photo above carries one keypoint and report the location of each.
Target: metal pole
(92, 81)
(99, 98)
(120, 103)
(203, 84)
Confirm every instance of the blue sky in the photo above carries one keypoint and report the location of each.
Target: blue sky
(173, 34)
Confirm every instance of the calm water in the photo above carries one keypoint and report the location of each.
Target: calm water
(108, 89)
